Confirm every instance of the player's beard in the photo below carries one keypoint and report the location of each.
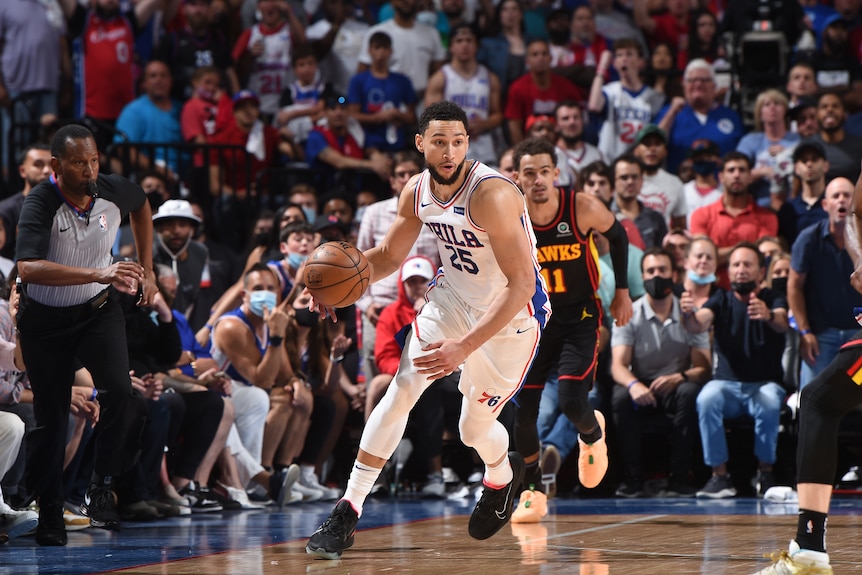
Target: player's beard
(572, 141)
(450, 180)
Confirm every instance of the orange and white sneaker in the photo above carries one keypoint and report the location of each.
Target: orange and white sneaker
(593, 458)
(533, 540)
(532, 506)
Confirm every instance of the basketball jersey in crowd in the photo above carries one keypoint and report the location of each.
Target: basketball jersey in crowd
(569, 260)
(627, 113)
(473, 96)
(271, 70)
(221, 358)
(469, 264)
(103, 56)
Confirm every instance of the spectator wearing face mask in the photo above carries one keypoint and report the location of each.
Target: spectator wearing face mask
(658, 368)
(749, 325)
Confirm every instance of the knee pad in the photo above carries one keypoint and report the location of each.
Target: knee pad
(574, 403)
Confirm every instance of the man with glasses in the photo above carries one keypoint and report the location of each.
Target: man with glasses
(697, 115)
(376, 221)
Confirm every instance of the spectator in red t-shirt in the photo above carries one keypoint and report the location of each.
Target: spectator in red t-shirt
(232, 172)
(670, 26)
(537, 92)
(197, 120)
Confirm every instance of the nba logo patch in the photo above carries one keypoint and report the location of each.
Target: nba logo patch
(103, 222)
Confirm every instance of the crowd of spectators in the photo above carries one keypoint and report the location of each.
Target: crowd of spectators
(259, 128)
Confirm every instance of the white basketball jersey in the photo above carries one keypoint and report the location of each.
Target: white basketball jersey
(627, 113)
(271, 71)
(469, 263)
(473, 96)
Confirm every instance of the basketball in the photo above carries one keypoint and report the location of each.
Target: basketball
(337, 274)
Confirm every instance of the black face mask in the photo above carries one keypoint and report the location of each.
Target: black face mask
(305, 317)
(658, 287)
(780, 285)
(704, 167)
(743, 288)
(155, 200)
(262, 238)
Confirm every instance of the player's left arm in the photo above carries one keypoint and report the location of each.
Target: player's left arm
(592, 214)
(499, 210)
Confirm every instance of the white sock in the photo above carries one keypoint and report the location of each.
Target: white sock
(499, 475)
(307, 471)
(362, 479)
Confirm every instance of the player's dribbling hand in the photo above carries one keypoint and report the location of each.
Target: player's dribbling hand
(445, 357)
(315, 306)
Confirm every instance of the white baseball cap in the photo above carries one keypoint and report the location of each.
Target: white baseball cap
(176, 209)
(417, 266)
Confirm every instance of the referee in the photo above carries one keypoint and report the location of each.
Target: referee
(69, 312)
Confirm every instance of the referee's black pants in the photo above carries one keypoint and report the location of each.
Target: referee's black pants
(51, 339)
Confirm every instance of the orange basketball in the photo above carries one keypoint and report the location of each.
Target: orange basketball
(337, 274)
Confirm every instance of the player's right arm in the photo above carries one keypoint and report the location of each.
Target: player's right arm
(387, 257)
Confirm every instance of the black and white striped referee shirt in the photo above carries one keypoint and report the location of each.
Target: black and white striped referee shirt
(51, 228)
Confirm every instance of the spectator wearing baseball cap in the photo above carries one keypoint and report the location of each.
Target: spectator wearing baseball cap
(331, 229)
(661, 190)
(703, 190)
(174, 226)
(805, 207)
(803, 117)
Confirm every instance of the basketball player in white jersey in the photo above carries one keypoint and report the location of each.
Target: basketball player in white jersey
(473, 87)
(626, 105)
(486, 310)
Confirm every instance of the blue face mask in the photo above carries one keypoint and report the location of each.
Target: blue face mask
(296, 260)
(260, 299)
(699, 279)
(310, 214)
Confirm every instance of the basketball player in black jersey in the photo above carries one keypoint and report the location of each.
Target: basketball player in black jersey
(562, 222)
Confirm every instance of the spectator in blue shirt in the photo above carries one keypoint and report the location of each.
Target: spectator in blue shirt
(698, 116)
(382, 101)
(819, 266)
(152, 118)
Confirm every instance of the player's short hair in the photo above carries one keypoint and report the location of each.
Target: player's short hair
(444, 111)
(66, 134)
(533, 147)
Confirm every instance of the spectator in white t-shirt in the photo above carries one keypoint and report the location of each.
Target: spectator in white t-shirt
(661, 190)
(704, 188)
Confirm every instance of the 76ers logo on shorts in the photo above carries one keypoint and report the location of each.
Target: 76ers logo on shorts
(490, 397)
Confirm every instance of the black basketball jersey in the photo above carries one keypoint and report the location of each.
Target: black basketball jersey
(569, 260)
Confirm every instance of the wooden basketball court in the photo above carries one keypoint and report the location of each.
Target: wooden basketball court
(582, 537)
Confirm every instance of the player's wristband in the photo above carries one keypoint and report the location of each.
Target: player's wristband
(276, 340)
(804, 331)
(338, 359)
(94, 395)
(631, 383)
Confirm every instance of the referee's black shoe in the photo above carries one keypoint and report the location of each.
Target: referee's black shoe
(494, 509)
(100, 505)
